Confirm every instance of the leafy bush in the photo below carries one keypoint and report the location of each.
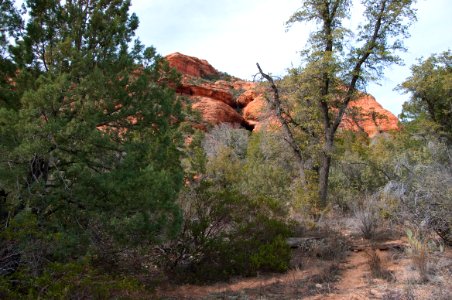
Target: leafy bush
(272, 257)
(408, 174)
(226, 233)
(235, 211)
(360, 169)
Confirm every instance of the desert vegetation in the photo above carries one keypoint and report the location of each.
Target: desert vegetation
(108, 189)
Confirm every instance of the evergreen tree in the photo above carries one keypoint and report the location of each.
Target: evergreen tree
(10, 28)
(90, 158)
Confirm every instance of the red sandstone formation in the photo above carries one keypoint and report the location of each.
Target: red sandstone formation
(215, 112)
(189, 65)
(214, 91)
(255, 110)
(243, 103)
(366, 114)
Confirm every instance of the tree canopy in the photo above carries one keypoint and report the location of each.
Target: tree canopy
(430, 89)
(339, 60)
(89, 154)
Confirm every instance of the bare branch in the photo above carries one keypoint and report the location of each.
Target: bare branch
(276, 104)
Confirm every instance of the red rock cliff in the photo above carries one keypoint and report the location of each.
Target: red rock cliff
(366, 114)
(189, 65)
(243, 103)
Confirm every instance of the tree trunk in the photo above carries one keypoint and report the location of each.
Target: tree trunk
(325, 171)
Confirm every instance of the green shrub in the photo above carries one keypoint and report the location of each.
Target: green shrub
(225, 233)
(274, 256)
(77, 280)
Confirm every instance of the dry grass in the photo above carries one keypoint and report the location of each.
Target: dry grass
(406, 294)
(377, 270)
(419, 253)
(368, 220)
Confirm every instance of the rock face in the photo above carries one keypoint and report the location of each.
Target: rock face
(369, 116)
(216, 112)
(243, 103)
(191, 66)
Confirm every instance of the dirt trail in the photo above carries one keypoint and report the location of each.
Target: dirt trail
(351, 279)
(356, 282)
(317, 280)
(354, 271)
(271, 286)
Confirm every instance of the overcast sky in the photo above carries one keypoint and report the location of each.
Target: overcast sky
(235, 34)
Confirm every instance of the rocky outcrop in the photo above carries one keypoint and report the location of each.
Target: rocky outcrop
(191, 66)
(243, 103)
(216, 112)
(216, 91)
(219, 101)
(366, 114)
(255, 110)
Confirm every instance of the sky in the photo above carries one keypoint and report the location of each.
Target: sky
(232, 35)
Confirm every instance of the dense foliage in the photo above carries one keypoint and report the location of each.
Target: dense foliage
(430, 87)
(235, 208)
(90, 166)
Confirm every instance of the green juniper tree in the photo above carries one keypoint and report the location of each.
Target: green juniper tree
(10, 28)
(90, 157)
